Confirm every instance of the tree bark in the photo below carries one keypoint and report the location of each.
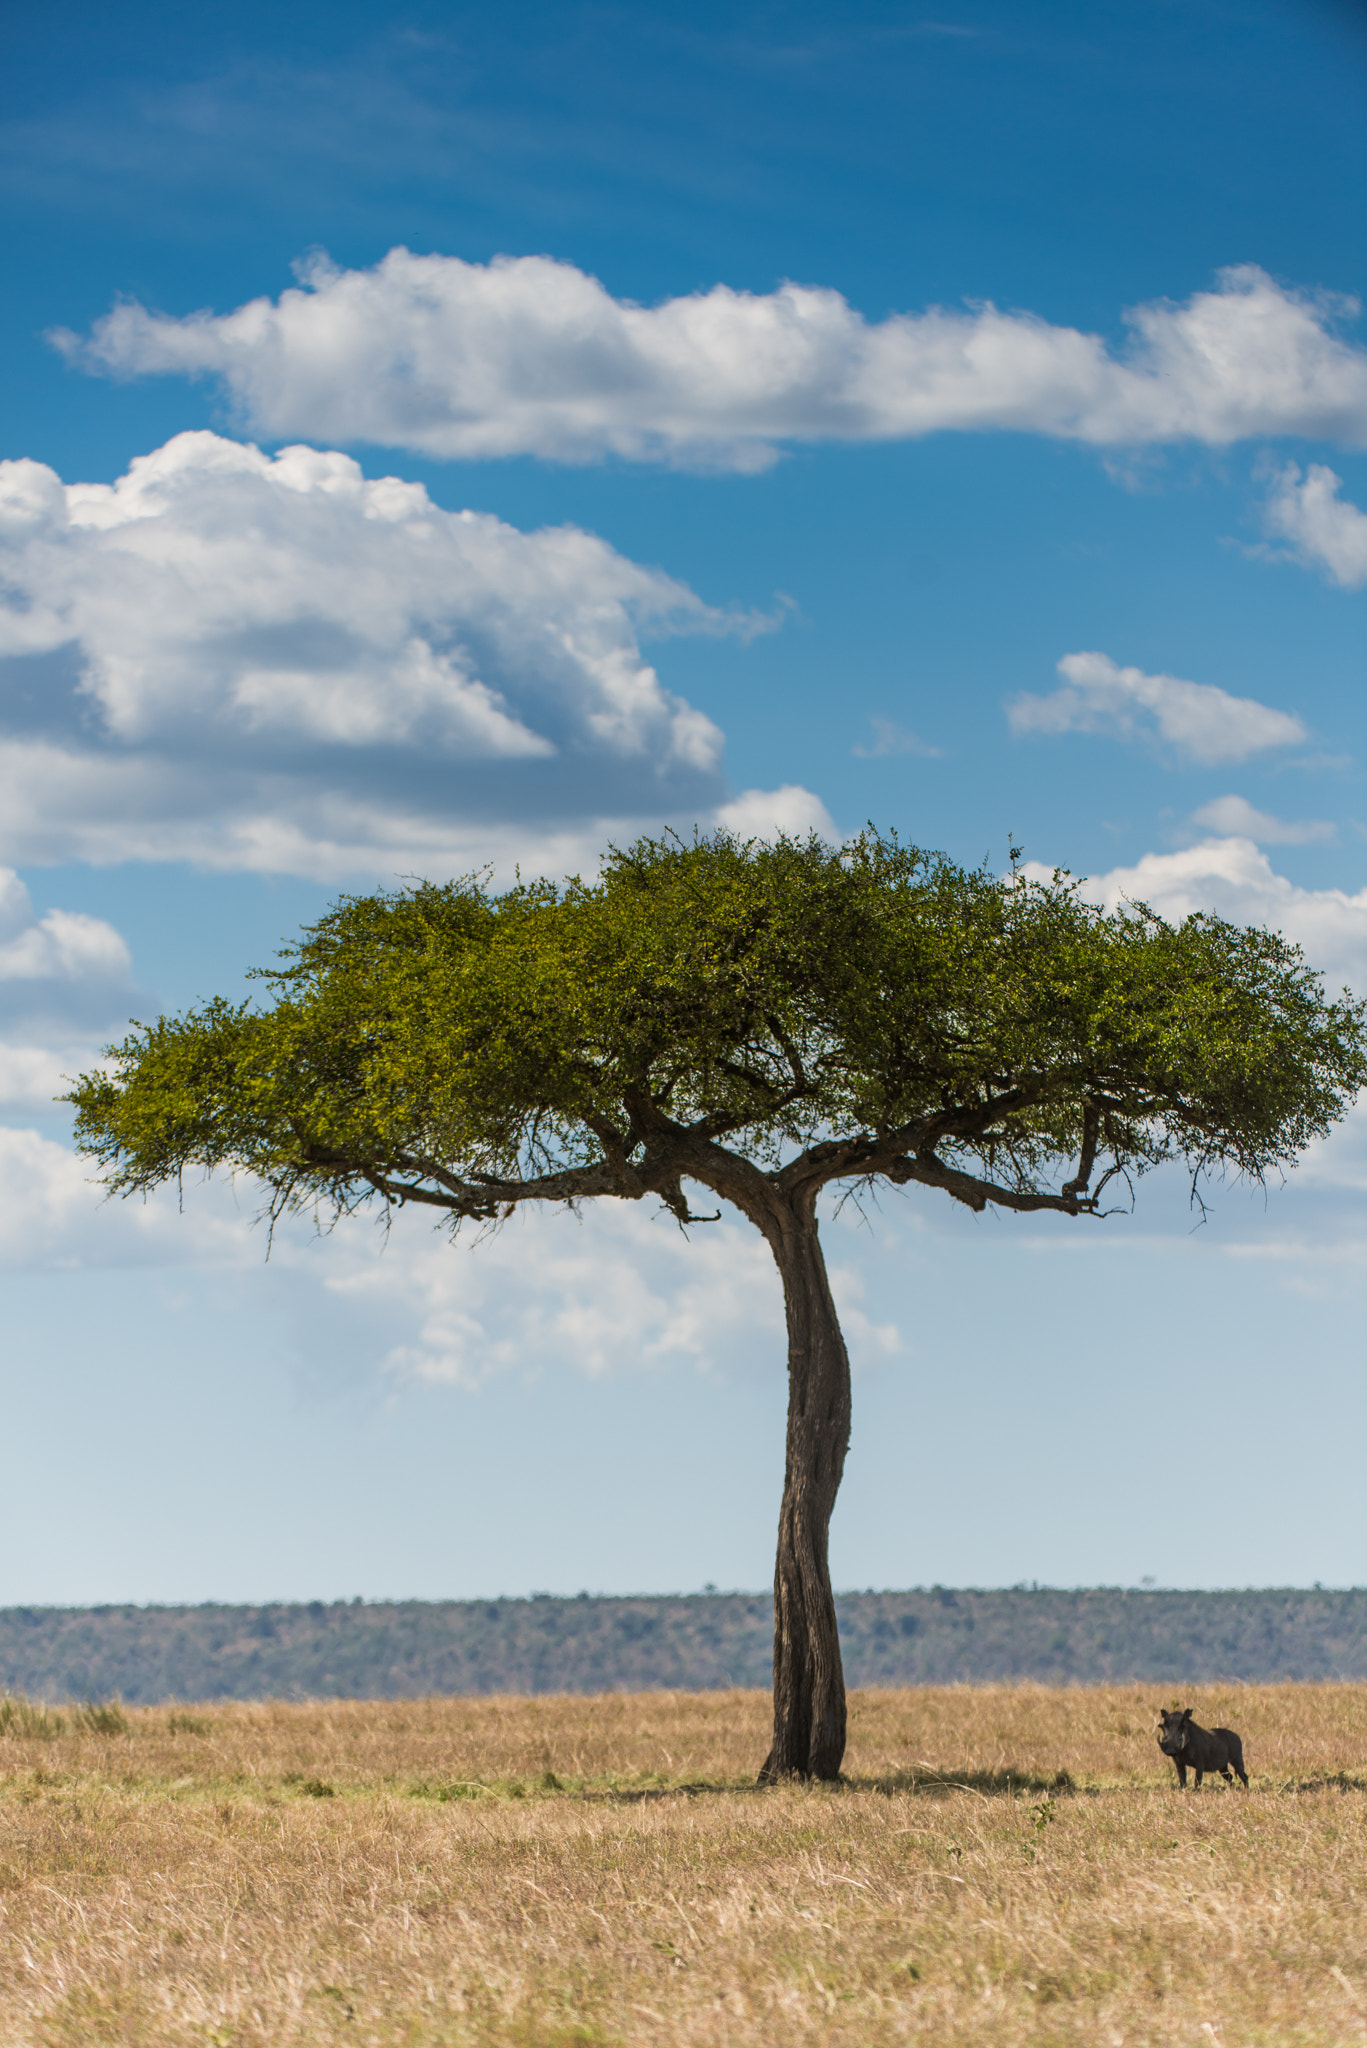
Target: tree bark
(809, 1683)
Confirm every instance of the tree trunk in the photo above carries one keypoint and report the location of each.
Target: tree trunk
(809, 1684)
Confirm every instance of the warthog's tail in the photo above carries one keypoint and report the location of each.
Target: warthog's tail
(1236, 1752)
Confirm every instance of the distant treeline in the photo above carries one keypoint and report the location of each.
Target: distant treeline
(696, 1642)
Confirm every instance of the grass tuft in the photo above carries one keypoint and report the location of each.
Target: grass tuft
(32, 1721)
(179, 1723)
(309, 1787)
(101, 1717)
(29, 1720)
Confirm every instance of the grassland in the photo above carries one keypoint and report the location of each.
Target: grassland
(1004, 1865)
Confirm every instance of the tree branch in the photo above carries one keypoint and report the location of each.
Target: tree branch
(976, 1194)
(791, 1054)
(482, 1197)
(1091, 1125)
(615, 1152)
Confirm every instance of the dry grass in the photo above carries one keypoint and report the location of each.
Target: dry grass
(556, 1871)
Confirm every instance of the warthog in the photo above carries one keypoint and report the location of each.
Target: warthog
(1205, 1749)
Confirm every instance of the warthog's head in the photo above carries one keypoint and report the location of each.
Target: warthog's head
(1173, 1731)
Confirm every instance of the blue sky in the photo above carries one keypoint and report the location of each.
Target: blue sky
(439, 435)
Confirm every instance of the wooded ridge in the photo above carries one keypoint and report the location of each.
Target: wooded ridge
(410, 1648)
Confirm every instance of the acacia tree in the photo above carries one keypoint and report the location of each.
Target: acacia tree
(763, 1021)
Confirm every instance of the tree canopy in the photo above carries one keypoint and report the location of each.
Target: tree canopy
(831, 1013)
(762, 1020)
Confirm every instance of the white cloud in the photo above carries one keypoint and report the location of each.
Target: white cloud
(622, 1290)
(52, 1216)
(1321, 529)
(274, 663)
(765, 813)
(526, 355)
(1233, 878)
(619, 1289)
(66, 981)
(63, 946)
(33, 1076)
(623, 1287)
(1235, 817)
(891, 738)
(1202, 723)
(58, 973)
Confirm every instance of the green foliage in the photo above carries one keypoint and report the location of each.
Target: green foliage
(450, 1045)
(417, 1649)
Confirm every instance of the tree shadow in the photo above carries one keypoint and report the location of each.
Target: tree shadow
(649, 1795)
(1319, 1781)
(922, 1780)
(919, 1778)
(987, 1784)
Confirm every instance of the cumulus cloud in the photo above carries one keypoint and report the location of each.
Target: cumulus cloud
(617, 1291)
(274, 663)
(1234, 878)
(1197, 720)
(1319, 527)
(66, 981)
(525, 355)
(32, 1076)
(63, 947)
(63, 976)
(621, 1290)
(766, 813)
(1236, 817)
(52, 1217)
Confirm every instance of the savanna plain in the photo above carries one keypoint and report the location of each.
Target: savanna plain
(1001, 1865)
